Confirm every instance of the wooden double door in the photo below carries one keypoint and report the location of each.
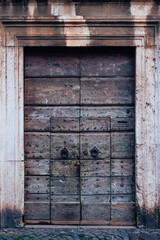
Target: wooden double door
(79, 136)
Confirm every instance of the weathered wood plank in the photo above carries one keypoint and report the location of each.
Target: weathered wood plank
(107, 91)
(37, 197)
(122, 167)
(62, 168)
(37, 145)
(95, 168)
(65, 186)
(120, 185)
(95, 199)
(110, 112)
(96, 212)
(65, 198)
(64, 124)
(37, 184)
(108, 62)
(95, 124)
(37, 167)
(39, 118)
(38, 222)
(122, 145)
(65, 212)
(95, 185)
(123, 212)
(36, 123)
(36, 211)
(48, 111)
(51, 62)
(61, 141)
(122, 124)
(123, 198)
(52, 91)
(90, 140)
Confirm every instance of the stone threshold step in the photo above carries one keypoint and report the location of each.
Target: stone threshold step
(79, 227)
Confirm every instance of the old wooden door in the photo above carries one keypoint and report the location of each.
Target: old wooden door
(79, 136)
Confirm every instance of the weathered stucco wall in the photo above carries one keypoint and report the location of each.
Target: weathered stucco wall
(66, 9)
(80, 23)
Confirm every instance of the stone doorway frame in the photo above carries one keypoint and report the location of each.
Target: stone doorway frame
(17, 35)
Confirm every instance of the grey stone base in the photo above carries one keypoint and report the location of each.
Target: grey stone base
(79, 234)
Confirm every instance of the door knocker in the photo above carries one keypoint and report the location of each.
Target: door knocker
(94, 152)
(64, 153)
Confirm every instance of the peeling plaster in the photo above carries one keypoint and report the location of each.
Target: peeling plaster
(141, 9)
(66, 11)
(32, 6)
